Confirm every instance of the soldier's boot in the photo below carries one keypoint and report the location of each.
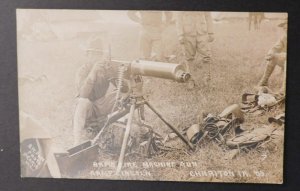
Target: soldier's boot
(267, 73)
(191, 84)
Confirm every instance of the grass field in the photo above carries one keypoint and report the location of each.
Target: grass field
(238, 63)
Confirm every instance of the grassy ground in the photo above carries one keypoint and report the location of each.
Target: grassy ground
(238, 65)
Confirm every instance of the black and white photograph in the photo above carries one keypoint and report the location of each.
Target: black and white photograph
(154, 95)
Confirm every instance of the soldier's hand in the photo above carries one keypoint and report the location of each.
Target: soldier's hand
(211, 38)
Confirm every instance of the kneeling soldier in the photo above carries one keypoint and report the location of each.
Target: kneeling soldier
(94, 99)
(276, 56)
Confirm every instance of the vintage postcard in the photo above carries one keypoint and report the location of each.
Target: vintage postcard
(191, 96)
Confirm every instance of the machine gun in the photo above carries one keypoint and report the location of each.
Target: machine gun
(129, 98)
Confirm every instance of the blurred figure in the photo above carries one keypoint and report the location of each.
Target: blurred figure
(256, 18)
(276, 57)
(151, 34)
(93, 80)
(195, 31)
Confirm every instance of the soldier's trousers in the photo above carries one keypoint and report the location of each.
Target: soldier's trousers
(88, 110)
(278, 59)
(196, 46)
(150, 38)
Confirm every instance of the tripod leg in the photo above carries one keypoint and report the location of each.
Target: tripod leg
(110, 120)
(170, 126)
(125, 139)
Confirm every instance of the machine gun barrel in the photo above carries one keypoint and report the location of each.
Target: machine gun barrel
(163, 70)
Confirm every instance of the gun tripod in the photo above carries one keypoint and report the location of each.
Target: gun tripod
(136, 103)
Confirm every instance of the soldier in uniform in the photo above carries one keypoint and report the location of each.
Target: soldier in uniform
(152, 28)
(276, 57)
(256, 18)
(94, 100)
(195, 30)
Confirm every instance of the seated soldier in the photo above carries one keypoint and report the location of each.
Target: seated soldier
(276, 56)
(94, 99)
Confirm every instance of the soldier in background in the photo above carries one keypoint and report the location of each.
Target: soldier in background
(276, 57)
(195, 32)
(152, 27)
(256, 18)
(93, 80)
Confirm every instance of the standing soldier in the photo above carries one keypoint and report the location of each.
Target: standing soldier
(256, 18)
(195, 31)
(152, 28)
(276, 56)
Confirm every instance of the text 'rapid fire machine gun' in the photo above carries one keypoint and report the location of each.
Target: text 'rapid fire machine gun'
(130, 97)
